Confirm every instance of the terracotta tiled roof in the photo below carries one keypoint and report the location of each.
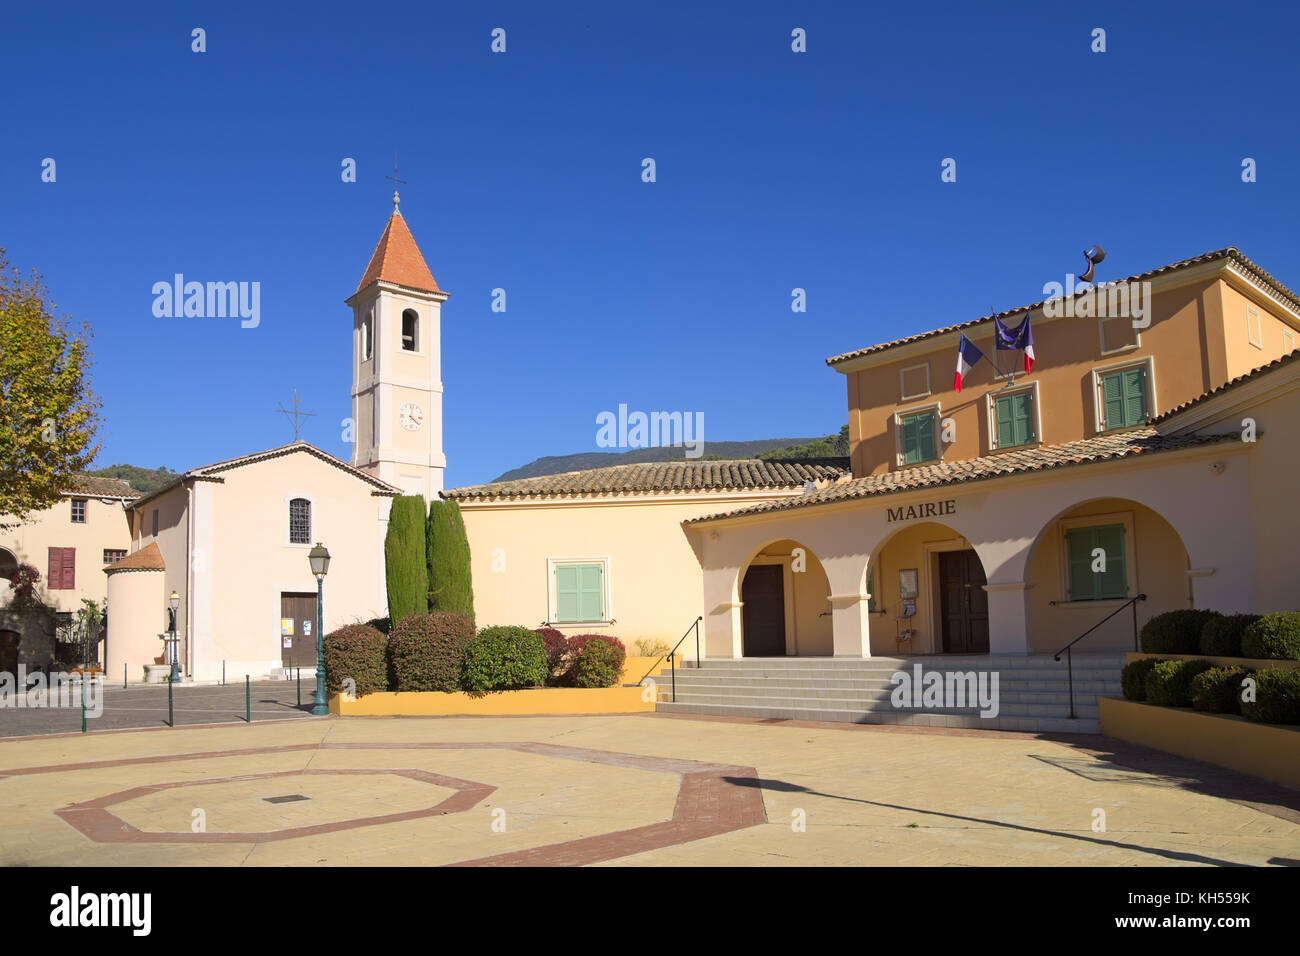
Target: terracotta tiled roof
(1142, 441)
(212, 472)
(1233, 383)
(148, 558)
(664, 477)
(1230, 252)
(97, 486)
(397, 259)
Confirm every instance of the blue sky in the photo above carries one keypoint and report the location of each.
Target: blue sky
(775, 170)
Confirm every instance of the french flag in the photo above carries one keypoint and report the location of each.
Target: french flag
(967, 356)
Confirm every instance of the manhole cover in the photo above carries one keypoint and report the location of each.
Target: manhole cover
(288, 798)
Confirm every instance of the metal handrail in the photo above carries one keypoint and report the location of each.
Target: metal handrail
(1069, 655)
(695, 625)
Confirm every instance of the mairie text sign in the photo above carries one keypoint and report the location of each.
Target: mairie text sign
(931, 509)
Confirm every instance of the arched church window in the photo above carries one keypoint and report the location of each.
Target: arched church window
(410, 331)
(366, 325)
(300, 521)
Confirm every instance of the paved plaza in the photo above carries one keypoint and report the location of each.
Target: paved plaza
(649, 789)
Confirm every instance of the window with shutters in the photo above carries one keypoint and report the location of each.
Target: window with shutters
(917, 441)
(62, 569)
(300, 521)
(1096, 566)
(78, 510)
(579, 593)
(1124, 397)
(1014, 418)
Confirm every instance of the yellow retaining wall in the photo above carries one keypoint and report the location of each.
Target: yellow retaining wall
(1249, 663)
(546, 700)
(1269, 751)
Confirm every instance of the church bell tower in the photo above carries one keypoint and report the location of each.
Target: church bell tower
(397, 366)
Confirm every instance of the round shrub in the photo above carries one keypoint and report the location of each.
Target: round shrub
(381, 624)
(505, 658)
(599, 663)
(1221, 636)
(1273, 636)
(1133, 678)
(427, 651)
(557, 653)
(1169, 683)
(1277, 697)
(1175, 632)
(1218, 690)
(578, 644)
(356, 652)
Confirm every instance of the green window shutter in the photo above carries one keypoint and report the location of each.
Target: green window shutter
(1022, 414)
(568, 599)
(1135, 396)
(591, 582)
(1002, 413)
(1078, 555)
(926, 425)
(1113, 582)
(910, 450)
(918, 438)
(1112, 401)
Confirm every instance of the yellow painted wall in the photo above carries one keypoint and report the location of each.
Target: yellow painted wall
(1243, 356)
(106, 526)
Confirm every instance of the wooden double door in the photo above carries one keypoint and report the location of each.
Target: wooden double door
(964, 604)
(298, 630)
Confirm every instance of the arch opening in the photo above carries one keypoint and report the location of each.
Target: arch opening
(785, 603)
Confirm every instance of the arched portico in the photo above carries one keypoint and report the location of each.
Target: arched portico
(785, 607)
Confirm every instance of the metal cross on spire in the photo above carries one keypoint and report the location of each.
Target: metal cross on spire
(295, 413)
(396, 181)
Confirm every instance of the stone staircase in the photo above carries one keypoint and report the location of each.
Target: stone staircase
(1032, 690)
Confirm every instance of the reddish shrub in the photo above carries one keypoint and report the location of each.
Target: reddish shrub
(611, 655)
(557, 652)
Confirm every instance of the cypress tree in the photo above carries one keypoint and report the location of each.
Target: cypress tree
(451, 588)
(404, 558)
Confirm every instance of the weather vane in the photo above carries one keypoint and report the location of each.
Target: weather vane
(295, 413)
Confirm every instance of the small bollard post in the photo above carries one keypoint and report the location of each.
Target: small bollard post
(248, 701)
(299, 686)
(83, 702)
(123, 677)
(171, 719)
(223, 673)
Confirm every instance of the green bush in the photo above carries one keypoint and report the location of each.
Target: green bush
(598, 663)
(1133, 678)
(1169, 682)
(1277, 697)
(505, 658)
(1175, 632)
(427, 651)
(355, 651)
(1273, 636)
(1218, 690)
(404, 557)
(1221, 636)
(451, 586)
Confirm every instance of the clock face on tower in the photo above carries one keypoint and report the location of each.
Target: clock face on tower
(411, 416)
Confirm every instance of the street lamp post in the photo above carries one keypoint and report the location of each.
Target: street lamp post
(173, 603)
(319, 558)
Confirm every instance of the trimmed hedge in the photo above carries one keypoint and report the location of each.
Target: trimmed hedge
(1169, 683)
(383, 625)
(505, 658)
(1277, 698)
(1221, 636)
(427, 651)
(1133, 678)
(1273, 636)
(557, 653)
(1176, 632)
(1218, 690)
(577, 645)
(451, 586)
(358, 652)
(404, 558)
(599, 663)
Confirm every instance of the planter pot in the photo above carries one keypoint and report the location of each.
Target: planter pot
(1270, 751)
(156, 673)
